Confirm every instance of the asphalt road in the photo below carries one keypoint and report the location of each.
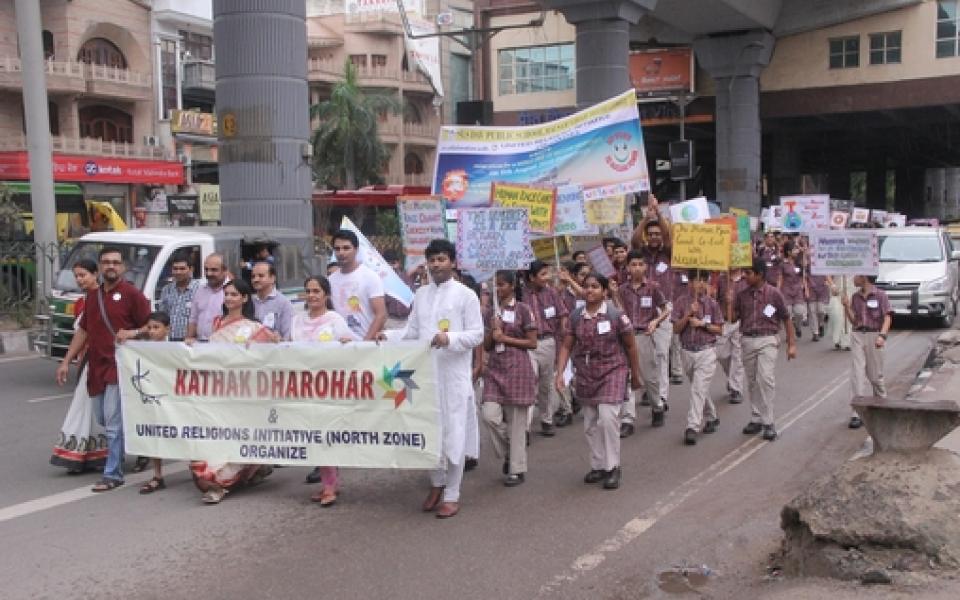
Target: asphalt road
(716, 504)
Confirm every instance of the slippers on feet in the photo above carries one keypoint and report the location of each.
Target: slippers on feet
(153, 485)
(105, 485)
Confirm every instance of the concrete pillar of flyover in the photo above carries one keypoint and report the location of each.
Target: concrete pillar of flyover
(602, 43)
(735, 63)
(262, 113)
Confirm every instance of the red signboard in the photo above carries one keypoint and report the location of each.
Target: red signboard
(662, 70)
(81, 169)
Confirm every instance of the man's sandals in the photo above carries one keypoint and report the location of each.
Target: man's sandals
(105, 485)
(153, 485)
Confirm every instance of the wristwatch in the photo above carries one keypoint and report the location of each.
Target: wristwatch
(884, 336)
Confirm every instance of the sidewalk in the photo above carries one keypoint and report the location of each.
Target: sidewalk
(15, 341)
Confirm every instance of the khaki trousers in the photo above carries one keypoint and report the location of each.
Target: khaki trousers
(759, 364)
(798, 312)
(730, 356)
(647, 351)
(544, 361)
(508, 431)
(700, 367)
(817, 312)
(601, 424)
(662, 339)
(867, 365)
(676, 358)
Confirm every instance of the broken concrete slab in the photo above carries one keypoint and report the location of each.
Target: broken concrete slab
(888, 510)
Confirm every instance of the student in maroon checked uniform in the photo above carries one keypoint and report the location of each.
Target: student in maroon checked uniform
(642, 301)
(792, 281)
(871, 315)
(551, 314)
(509, 383)
(599, 339)
(698, 321)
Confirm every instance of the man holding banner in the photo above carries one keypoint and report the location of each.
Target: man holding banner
(447, 314)
(653, 237)
(761, 311)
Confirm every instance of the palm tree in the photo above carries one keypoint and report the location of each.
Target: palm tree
(347, 151)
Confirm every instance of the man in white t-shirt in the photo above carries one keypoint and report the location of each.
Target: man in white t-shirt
(357, 291)
(357, 295)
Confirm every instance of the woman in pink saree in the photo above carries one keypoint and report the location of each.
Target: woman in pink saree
(236, 326)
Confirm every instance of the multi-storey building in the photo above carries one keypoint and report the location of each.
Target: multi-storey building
(100, 81)
(856, 99)
(373, 41)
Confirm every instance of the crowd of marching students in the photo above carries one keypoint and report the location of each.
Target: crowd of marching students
(521, 356)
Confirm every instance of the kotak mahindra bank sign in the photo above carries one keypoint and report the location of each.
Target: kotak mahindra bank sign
(79, 169)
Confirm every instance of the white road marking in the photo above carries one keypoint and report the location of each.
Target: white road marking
(81, 493)
(647, 519)
(45, 398)
(20, 358)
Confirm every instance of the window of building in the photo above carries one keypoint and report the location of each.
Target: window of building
(168, 76)
(358, 60)
(412, 164)
(99, 51)
(378, 60)
(845, 53)
(196, 46)
(48, 50)
(885, 48)
(106, 123)
(536, 69)
(53, 113)
(947, 28)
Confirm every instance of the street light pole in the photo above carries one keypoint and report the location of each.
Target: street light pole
(37, 120)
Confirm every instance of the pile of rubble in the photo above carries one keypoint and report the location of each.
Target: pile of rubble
(895, 511)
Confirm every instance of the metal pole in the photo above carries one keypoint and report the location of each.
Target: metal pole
(683, 115)
(37, 116)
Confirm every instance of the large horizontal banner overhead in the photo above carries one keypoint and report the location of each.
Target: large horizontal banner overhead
(359, 404)
(599, 148)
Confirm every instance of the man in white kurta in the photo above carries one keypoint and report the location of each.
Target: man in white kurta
(447, 313)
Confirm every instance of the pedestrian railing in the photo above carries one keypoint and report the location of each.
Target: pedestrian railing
(22, 278)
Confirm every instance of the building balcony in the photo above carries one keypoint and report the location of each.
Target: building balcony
(373, 22)
(389, 131)
(415, 81)
(199, 77)
(418, 179)
(63, 77)
(421, 134)
(113, 82)
(90, 147)
(324, 70)
(378, 77)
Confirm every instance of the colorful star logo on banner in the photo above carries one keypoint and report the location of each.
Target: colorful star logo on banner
(388, 383)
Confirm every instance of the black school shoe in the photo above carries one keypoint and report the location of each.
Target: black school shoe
(513, 480)
(752, 428)
(595, 476)
(626, 430)
(736, 397)
(611, 480)
(711, 426)
(657, 418)
(470, 464)
(690, 437)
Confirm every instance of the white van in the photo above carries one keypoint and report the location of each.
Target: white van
(149, 253)
(919, 272)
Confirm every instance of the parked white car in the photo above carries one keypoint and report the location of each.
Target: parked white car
(919, 272)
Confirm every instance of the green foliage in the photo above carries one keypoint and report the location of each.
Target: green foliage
(11, 222)
(388, 223)
(347, 151)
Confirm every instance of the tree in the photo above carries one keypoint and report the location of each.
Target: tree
(347, 151)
